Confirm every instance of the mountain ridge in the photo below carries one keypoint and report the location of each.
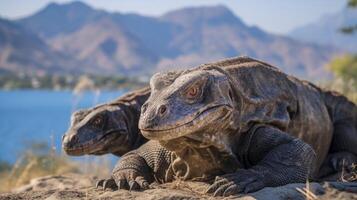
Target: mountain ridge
(20, 47)
(326, 30)
(179, 38)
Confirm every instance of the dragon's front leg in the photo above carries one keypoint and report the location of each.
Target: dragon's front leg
(283, 160)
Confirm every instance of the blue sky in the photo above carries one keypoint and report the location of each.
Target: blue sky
(277, 16)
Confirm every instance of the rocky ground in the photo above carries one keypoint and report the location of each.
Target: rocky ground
(75, 186)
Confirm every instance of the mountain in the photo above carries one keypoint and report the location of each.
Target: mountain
(57, 19)
(210, 33)
(96, 38)
(326, 31)
(133, 44)
(23, 51)
(107, 45)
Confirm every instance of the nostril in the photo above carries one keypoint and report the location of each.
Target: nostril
(162, 109)
(144, 107)
(74, 138)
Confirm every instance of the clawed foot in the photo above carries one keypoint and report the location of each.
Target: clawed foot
(243, 181)
(106, 183)
(342, 161)
(130, 179)
(132, 183)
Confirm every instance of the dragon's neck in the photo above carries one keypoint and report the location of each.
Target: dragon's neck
(191, 155)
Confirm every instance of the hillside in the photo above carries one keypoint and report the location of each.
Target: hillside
(23, 51)
(326, 30)
(108, 46)
(133, 44)
(210, 33)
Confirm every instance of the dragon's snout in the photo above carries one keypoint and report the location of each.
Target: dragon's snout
(160, 110)
(152, 115)
(69, 141)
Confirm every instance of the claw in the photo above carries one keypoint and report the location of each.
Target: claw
(106, 183)
(121, 184)
(133, 185)
(99, 183)
(142, 182)
(233, 189)
(145, 185)
(220, 191)
(216, 185)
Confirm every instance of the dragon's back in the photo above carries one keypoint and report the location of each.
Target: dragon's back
(272, 97)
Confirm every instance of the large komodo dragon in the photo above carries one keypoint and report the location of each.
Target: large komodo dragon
(108, 128)
(241, 120)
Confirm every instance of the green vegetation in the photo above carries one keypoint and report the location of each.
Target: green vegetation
(346, 69)
(345, 76)
(352, 3)
(352, 28)
(67, 82)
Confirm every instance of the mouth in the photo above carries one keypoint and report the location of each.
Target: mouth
(96, 146)
(184, 129)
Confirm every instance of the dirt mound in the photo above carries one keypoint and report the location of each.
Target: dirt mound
(75, 186)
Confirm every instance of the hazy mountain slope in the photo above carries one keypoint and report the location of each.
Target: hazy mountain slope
(23, 52)
(326, 30)
(131, 43)
(97, 38)
(210, 33)
(57, 19)
(154, 32)
(108, 46)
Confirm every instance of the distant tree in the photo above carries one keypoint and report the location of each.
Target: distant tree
(345, 76)
(352, 3)
(345, 68)
(352, 28)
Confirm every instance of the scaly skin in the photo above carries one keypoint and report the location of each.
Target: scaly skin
(241, 120)
(108, 128)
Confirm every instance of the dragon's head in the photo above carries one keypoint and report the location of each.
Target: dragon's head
(196, 101)
(99, 130)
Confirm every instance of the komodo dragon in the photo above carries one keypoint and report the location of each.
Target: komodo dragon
(242, 121)
(108, 128)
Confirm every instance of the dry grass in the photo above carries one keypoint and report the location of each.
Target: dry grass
(33, 164)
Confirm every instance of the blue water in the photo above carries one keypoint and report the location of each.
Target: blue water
(28, 116)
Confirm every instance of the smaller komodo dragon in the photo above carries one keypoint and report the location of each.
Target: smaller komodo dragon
(242, 121)
(108, 128)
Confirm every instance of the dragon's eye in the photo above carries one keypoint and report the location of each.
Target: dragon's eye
(98, 122)
(192, 92)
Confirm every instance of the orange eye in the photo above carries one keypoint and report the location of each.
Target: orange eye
(192, 92)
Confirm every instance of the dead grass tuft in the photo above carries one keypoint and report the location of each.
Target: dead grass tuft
(34, 163)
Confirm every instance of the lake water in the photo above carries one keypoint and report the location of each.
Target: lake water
(28, 116)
